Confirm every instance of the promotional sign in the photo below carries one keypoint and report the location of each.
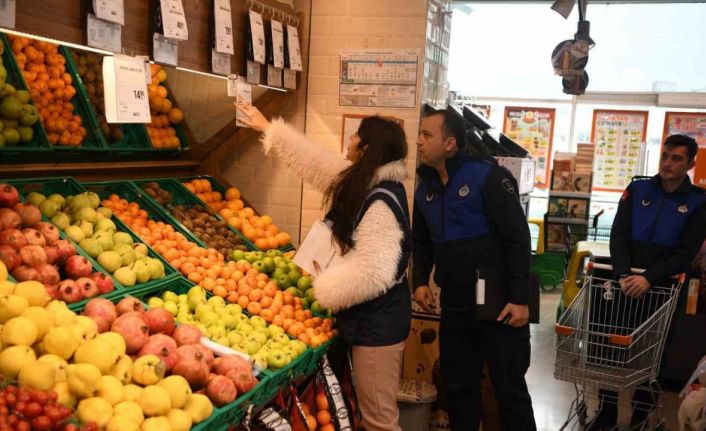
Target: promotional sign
(619, 137)
(224, 27)
(691, 124)
(257, 30)
(533, 129)
(125, 90)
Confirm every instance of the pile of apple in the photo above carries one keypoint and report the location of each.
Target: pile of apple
(32, 250)
(89, 225)
(268, 345)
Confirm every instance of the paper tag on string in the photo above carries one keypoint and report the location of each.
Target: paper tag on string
(258, 37)
(125, 90)
(232, 85)
(110, 10)
(277, 43)
(166, 51)
(220, 63)
(7, 13)
(104, 34)
(174, 20)
(295, 55)
(224, 27)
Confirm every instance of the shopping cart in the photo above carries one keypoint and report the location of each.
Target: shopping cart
(606, 341)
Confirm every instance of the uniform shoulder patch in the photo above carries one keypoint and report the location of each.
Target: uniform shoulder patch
(508, 185)
(626, 194)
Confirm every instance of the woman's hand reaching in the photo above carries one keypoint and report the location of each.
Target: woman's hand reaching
(252, 117)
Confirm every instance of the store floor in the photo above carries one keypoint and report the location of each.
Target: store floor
(552, 398)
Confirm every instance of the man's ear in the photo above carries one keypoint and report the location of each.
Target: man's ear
(692, 164)
(451, 144)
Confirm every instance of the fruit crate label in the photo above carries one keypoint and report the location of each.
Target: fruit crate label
(174, 20)
(104, 34)
(258, 37)
(110, 10)
(224, 27)
(166, 51)
(290, 79)
(295, 55)
(220, 63)
(125, 90)
(7, 13)
(274, 76)
(278, 43)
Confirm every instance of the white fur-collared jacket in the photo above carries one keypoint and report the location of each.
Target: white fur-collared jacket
(369, 269)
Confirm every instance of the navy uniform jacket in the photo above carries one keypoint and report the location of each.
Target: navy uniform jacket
(658, 231)
(473, 226)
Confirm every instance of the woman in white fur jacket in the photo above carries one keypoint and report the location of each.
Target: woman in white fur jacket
(368, 290)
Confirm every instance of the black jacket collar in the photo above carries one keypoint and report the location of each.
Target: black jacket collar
(431, 176)
(684, 188)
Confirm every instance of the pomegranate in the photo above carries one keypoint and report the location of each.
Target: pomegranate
(193, 369)
(9, 219)
(160, 321)
(29, 214)
(9, 257)
(221, 391)
(243, 381)
(102, 312)
(104, 283)
(48, 273)
(69, 292)
(50, 232)
(163, 347)
(133, 329)
(129, 304)
(186, 334)
(34, 237)
(88, 287)
(8, 196)
(66, 249)
(206, 353)
(77, 267)
(13, 237)
(33, 255)
(26, 273)
(52, 290)
(225, 364)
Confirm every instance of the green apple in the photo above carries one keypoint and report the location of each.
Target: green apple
(208, 318)
(283, 281)
(306, 304)
(181, 299)
(61, 220)
(169, 296)
(86, 227)
(258, 322)
(121, 238)
(107, 225)
(294, 292)
(245, 329)
(216, 331)
(48, 208)
(234, 309)
(125, 276)
(278, 272)
(35, 198)
(201, 309)
(273, 253)
(75, 233)
(237, 255)
(251, 347)
(294, 276)
(304, 283)
(260, 360)
(277, 359)
(91, 246)
(318, 308)
(290, 352)
(140, 250)
(241, 319)
(194, 300)
(110, 260)
(260, 337)
(260, 266)
(281, 340)
(235, 337)
(202, 328)
(274, 330)
(250, 257)
(171, 307)
(217, 301)
(309, 295)
(298, 346)
(155, 302)
(259, 255)
(269, 264)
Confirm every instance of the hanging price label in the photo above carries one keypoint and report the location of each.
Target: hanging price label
(110, 10)
(278, 43)
(174, 20)
(166, 51)
(290, 79)
(258, 37)
(220, 63)
(232, 85)
(274, 76)
(125, 90)
(295, 55)
(103, 34)
(7, 13)
(224, 27)
(242, 91)
(148, 70)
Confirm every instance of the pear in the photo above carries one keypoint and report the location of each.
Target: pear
(98, 352)
(60, 313)
(83, 380)
(89, 326)
(179, 420)
(111, 390)
(132, 392)
(122, 370)
(199, 407)
(58, 363)
(34, 292)
(19, 331)
(116, 340)
(12, 306)
(38, 375)
(96, 410)
(65, 396)
(154, 401)
(61, 341)
(14, 358)
(130, 410)
(122, 423)
(148, 370)
(41, 318)
(178, 389)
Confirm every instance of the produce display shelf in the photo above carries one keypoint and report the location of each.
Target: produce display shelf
(180, 130)
(317, 354)
(182, 196)
(135, 139)
(39, 143)
(218, 187)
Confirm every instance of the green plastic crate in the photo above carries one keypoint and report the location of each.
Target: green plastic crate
(39, 143)
(316, 356)
(182, 196)
(180, 129)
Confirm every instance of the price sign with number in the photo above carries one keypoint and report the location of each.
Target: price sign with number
(174, 20)
(258, 37)
(125, 89)
(166, 51)
(295, 55)
(110, 10)
(278, 43)
(224, 27)
(104, 34)
(7, 13)
(220, 63)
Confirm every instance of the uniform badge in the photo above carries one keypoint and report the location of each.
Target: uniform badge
(625, 195)
(464, 191)
(646, 203)
(508, 186)
(430, 197)
(683, 209)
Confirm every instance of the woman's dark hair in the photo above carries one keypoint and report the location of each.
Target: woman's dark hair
(381, 141)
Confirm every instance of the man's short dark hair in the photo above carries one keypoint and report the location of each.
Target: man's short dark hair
(683, 141)
(454, 126)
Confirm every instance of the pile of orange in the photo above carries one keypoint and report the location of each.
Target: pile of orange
(51, 88)
(258, 229)
(323, 420)
(164, 114)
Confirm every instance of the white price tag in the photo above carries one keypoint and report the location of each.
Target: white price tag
(232, 85)
(278, 43)
(166, 51)
(295, 55)
(110, 10)
(220, 63)
(274, 76)
(258, 37)
(104, 34)
(174, 20)
(224, 27)
(243, 94)
(7, 13)
(125, 89)
(148, 70)
(290, 79)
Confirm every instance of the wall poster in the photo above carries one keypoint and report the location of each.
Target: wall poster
(619, 137)
(533, 129)
(691, 124)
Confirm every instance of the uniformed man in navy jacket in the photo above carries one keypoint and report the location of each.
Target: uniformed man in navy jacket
(468, 223)
(659, 227)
